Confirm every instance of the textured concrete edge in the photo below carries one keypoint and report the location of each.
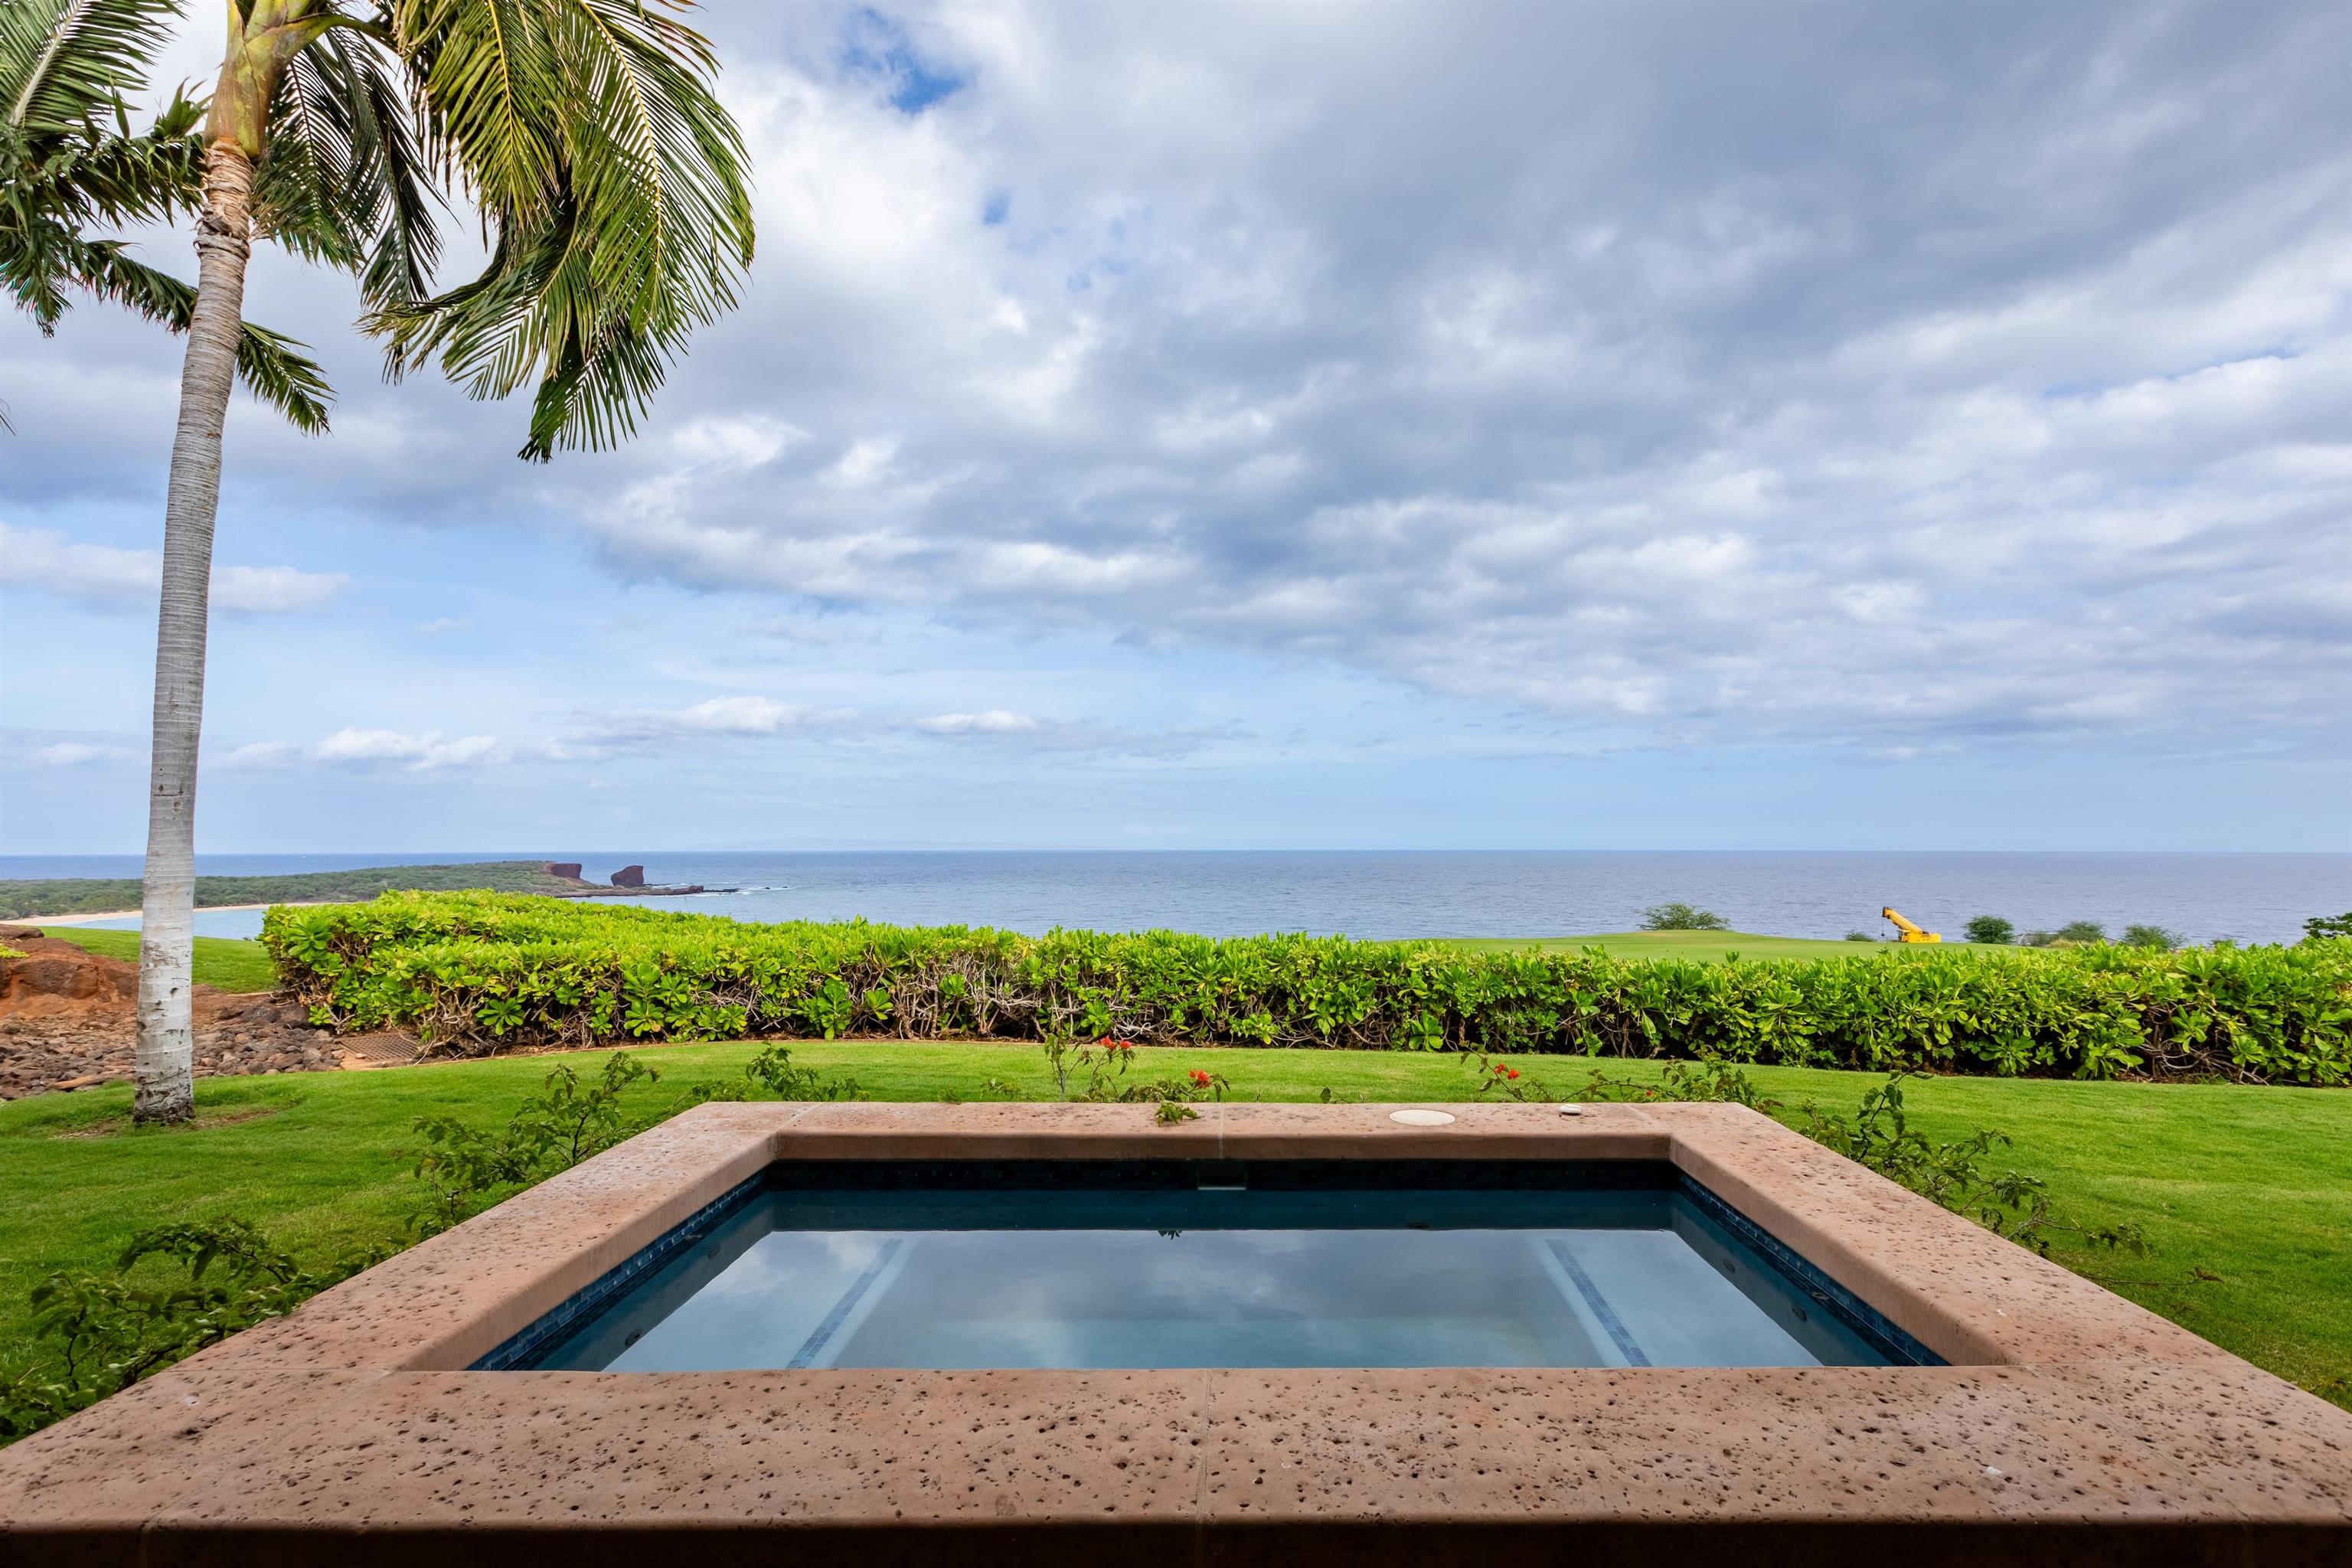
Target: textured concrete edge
(349, 1417)
(1968, 1295)
(198, 1461)
(446, 1302)
(1187, 1544)
(1536, 1542)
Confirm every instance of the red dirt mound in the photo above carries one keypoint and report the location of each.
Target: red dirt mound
(69, 1020)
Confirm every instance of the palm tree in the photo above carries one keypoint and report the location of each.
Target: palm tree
(610, 188)
(70, 162)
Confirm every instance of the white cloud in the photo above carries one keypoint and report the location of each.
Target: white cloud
(105, 577)
(73, 754)
(1028, 731)
(1565, 409)
(89, 573)
(417, 753)
(745, 442)
(995, 722)
(260, 754)
(866, 463)
(274, 590)
(743, 716)
(1672, 384)
(444, 626)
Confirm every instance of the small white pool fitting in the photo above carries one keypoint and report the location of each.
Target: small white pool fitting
(1422, 1118)
(1572, 1110)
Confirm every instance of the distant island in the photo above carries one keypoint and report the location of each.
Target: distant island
(22, 898)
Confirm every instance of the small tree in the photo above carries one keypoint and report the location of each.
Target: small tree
(2080, 931)
(583, 136)
(1681, 916)
(2150, 936)
(2319, 927)
(1992, 930)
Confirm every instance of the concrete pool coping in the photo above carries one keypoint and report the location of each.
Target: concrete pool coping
(2072, 1425)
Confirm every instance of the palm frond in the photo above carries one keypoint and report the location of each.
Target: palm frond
(610, 182)
(408, 246)
(642, 233)
(67, 63)
(490, 84)
(54, 185)
(275, 370)
(270, 364)
(302, 191)
(344, 182)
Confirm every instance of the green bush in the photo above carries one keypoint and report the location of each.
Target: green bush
(1992, 930)
(177, 1289)
(2320, 928)
(2080, 931)
(1681, 916)
(473, 972)
(2149, 936)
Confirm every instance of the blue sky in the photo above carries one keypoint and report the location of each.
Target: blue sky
(1673, 426)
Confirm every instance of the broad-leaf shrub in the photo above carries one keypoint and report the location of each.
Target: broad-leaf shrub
(177, 1289)
(473, 972)
(174, 1290)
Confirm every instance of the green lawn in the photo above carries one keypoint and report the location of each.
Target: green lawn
(230, 962)
(2251, 1184)
(1702, 944)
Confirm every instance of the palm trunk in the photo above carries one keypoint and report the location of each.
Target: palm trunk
(166, 1055)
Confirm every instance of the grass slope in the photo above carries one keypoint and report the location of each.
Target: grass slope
(230, 963)
(2251, 1184)
(85, 895)
(1699, 945)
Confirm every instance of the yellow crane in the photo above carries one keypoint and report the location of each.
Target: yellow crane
(1906, 932)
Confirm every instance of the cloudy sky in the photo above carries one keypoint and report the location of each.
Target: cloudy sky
(1379, 425)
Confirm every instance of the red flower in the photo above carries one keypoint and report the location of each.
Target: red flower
(1514, 1072)
(1501, 1068)
(1200, 1077)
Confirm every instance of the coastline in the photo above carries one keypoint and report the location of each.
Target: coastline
(588, 891)
(83, 917)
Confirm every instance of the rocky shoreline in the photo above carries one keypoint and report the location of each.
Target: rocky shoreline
(628, 882)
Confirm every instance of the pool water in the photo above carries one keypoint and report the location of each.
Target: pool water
(1204, 1266)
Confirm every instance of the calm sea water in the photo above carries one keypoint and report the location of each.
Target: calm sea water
(2247, 898)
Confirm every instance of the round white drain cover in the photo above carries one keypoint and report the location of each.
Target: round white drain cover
(1421, 1118)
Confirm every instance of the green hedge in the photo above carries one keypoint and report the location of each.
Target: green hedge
(476, 971)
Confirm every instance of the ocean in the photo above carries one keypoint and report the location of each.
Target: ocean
(2201, 897)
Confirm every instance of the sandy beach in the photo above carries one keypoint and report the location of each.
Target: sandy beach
(84, 917)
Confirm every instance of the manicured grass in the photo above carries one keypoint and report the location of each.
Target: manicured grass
(2251, 1184)
(1700, 944)
(230, 962)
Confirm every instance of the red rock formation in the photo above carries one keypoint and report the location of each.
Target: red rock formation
(68, 1022)
(629, 876)
(567, 870)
